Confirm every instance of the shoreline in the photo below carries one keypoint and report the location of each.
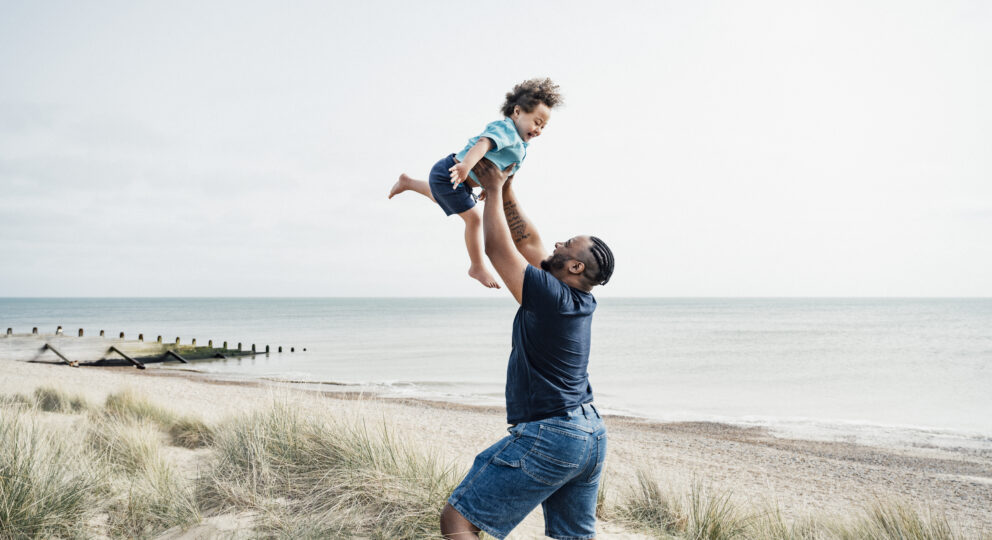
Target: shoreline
(865, 433)
(759, 468)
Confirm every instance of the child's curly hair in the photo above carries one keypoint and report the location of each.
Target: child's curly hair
(531, 92)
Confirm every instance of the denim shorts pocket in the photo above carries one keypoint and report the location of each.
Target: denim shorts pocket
(519, 445)
(555, 456)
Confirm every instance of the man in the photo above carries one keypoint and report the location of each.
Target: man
(557, 444)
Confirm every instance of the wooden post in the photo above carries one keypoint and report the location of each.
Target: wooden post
(60, 355)
(177, 340)
(253, 348)
(266, 349)
(101, 333)
(58, 331)
(225, 345)
(176, 356)
(136, 363)
(210, 343)
(122, 335)
(194, 342)
(80, 332)
(34, 330)
(141, 337)
(292, 349)
(10, 331)
(239, 345)
(280, 348)
(160, 339)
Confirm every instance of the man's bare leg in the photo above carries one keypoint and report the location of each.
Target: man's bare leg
(455, 526)
(405, 183)
(473, 242)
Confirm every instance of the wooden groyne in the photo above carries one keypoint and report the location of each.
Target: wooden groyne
(78, 350)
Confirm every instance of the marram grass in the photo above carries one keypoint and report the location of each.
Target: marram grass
(106, 474)
(185, 431)
(308, 474)
(47, 486)
(52, 399)
(704, 514)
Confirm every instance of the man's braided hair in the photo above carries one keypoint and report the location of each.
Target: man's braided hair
(604, 260)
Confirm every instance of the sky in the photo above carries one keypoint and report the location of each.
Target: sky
(722, 149)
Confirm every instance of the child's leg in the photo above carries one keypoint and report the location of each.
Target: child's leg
(405, 183)
(473, 241)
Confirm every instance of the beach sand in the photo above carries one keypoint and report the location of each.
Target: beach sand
(760, 470)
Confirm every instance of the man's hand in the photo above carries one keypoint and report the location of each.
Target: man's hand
(459, 172)
(490, 176)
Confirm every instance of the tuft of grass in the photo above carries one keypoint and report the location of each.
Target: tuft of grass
(16, 401)
(128, 404)
(185, 431)
(712, 516)
(190, 432)
(157, 498)
(649, 508)
(123, 443)
(885, 520)
(54, 400)
(306, 474)
(45, 486)
(771, 525)
(702, 514)
(147, 495)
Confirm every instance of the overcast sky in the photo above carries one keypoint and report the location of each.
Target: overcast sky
(720, 148)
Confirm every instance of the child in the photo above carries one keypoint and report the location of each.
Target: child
(527, 110)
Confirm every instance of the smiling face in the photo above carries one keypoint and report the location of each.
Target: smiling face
(569, 258)
(531, 124)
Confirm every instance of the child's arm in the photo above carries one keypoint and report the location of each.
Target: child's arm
(459, 172)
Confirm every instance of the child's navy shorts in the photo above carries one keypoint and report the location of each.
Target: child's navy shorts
(452, 201)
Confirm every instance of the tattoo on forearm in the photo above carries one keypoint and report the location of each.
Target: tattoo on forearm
(516, 222)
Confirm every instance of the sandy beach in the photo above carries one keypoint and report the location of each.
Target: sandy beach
(760, 470)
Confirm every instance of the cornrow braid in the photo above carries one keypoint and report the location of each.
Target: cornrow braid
(604, 260)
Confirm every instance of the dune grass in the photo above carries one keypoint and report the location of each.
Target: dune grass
(150, 500)
(312, 476)
(305, 475)
(149, 495)
(47, 486)
(712, 515)
(185, 431)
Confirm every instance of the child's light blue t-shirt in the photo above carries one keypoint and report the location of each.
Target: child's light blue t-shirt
(507, 148)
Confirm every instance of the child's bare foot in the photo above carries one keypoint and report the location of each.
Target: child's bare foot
(401, 185)
(483, 276)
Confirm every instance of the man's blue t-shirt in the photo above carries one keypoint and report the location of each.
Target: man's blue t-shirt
(546, 375)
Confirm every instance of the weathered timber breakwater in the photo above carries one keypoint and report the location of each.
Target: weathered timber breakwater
(102, 350)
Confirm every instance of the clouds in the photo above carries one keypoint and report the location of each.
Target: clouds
(721, 149)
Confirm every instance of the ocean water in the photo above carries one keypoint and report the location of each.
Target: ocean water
(908, 371)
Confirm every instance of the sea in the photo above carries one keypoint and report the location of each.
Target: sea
(914, 372)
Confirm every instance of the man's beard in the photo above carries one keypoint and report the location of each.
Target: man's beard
(554, 263)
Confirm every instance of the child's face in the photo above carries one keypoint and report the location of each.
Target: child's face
(531, 124)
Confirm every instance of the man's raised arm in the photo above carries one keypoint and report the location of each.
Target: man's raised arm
(500, 248)
(525, 236)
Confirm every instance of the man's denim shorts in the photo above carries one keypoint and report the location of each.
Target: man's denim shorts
(452, 201)
(555, 462)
